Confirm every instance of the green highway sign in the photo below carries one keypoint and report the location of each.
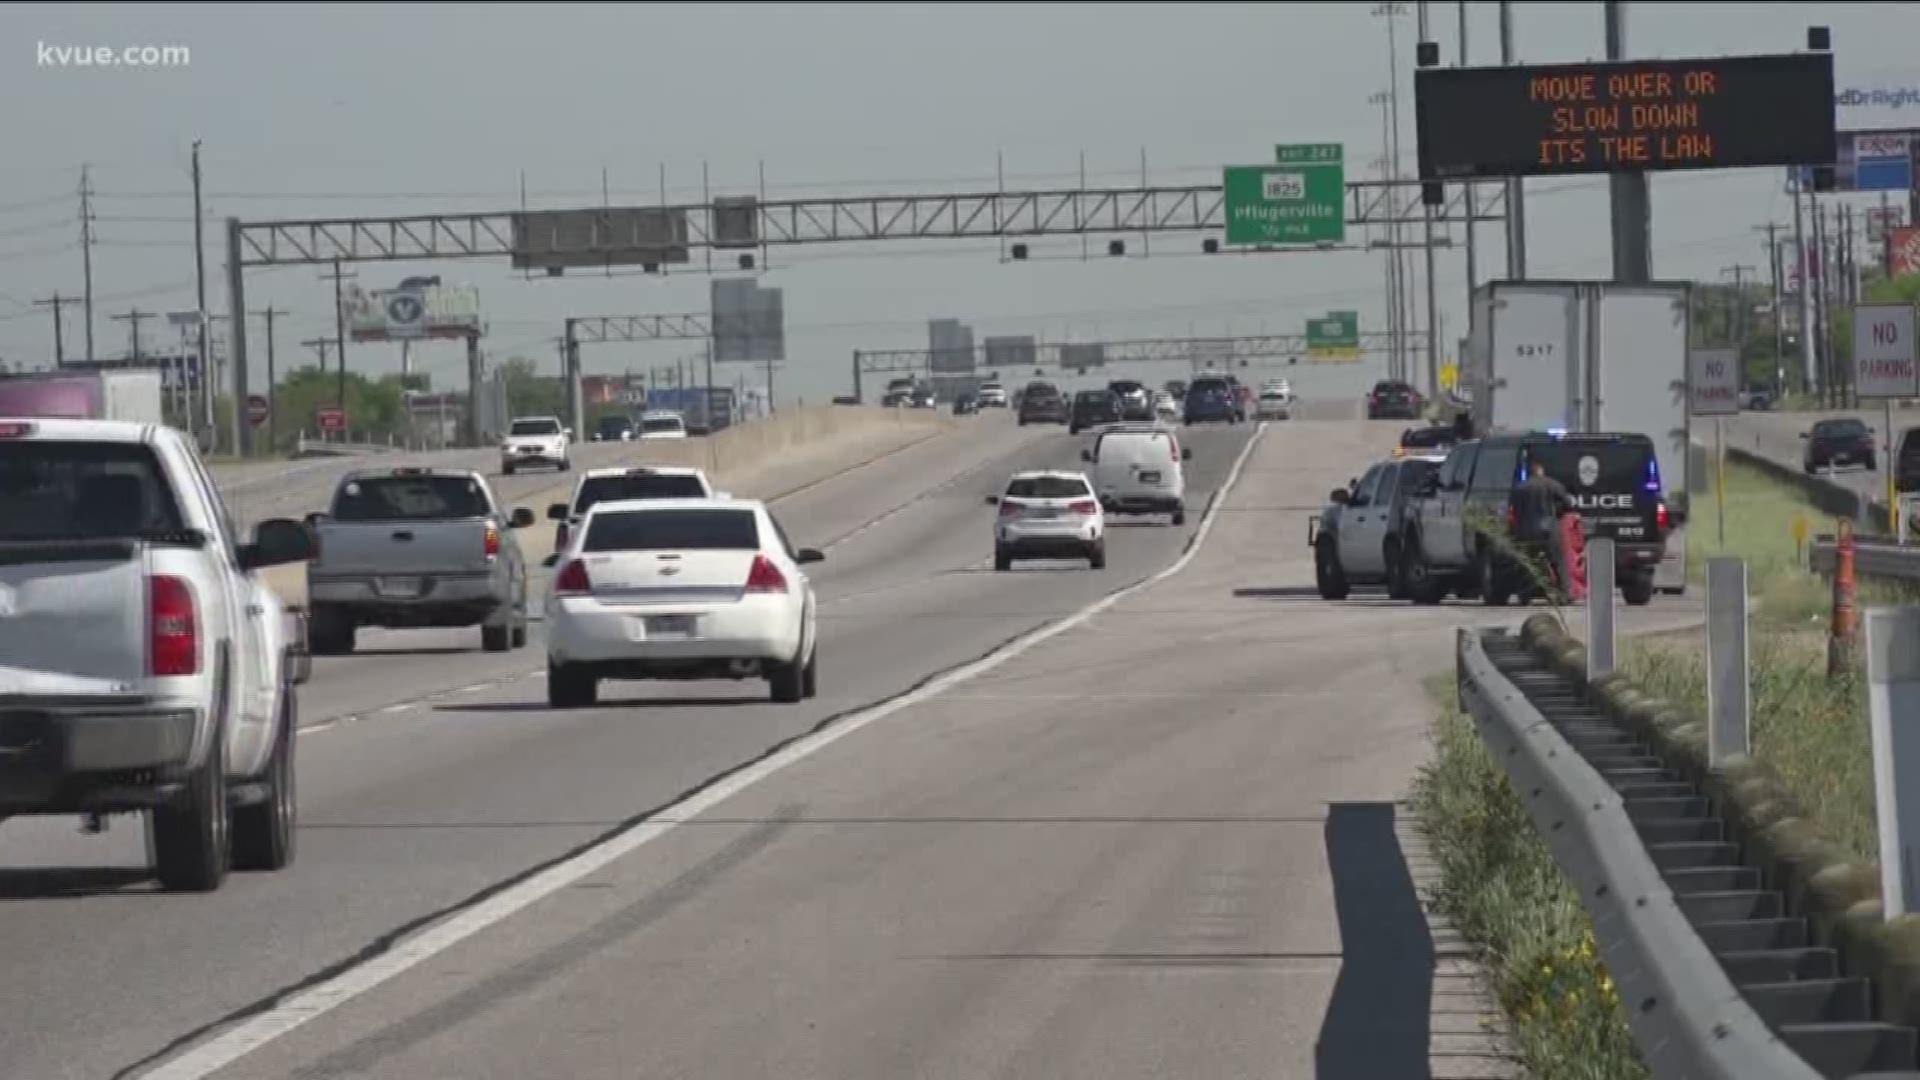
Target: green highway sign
(1334, 336)
(1300, 200)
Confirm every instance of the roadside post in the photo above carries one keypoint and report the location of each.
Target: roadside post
(1600, 604)
(1893, 705)
(1713, 389)
(1884, 367)
(1729, 704)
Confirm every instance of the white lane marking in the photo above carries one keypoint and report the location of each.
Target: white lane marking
(249, 1035)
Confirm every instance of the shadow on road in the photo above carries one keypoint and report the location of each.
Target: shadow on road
(627, 703)
(56, 882)
(1378, 1018)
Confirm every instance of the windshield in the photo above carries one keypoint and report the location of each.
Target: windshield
(410, 498)
(638, 486)
(1839, 429)
(1427, 438)
(76, 490)
(1209, 386)
(1047, 487)
(535, 427)
(1093, 397)
(662, 423)
(615, 423)
(1616, 467)
(673, 530)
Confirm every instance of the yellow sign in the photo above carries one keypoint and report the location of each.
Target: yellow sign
(1801, 527)
(1331, 354)
(1449, 376)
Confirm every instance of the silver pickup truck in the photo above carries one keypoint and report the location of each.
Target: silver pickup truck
(416, 548)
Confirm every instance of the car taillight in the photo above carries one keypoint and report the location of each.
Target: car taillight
(493, 542)
(1084, 506)
(1009, 509)
(1173, 446)
(173, 627)
(1513, 519)
(573, 580)
(765, 577)
(1660, 518)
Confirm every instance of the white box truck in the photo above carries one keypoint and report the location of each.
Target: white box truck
(1591, 356)
(108, 394)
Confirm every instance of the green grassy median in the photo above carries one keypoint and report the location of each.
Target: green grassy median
(1500, 888)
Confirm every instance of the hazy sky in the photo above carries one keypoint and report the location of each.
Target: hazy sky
(368, 109)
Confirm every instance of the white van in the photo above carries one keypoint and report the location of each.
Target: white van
(1139, 469)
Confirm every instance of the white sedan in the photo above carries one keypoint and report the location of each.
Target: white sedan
(680, 589)
(662, 425)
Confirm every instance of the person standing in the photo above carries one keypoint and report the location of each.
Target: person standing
(1537, 507)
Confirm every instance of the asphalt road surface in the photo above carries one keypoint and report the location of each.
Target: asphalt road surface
(415, 799)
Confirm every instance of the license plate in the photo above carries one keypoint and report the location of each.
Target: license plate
(663, 626)
(1043, 512)
(398, 586)
(1150, 477)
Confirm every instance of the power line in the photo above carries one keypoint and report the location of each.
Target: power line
(133, 318)
(56, 303)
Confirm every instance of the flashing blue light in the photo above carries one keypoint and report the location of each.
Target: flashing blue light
(1557, 432)
(1653, 475)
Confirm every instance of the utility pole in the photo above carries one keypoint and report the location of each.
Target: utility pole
(208, 389)
(320, 345)
(86, 249)
(1802, 298)
(1426, 244)
(1516, 190)
(134, 318)
(272, 377)
(1737, 316)
(1632, 210)
(339, 332)
(1473, 272)
(1396, 355)
(1779, 321)
(1815, 280)
(56, 303)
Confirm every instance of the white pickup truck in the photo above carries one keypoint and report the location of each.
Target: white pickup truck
(142, 666)
(536, 440)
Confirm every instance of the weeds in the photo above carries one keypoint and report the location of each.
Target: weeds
(1500, 887)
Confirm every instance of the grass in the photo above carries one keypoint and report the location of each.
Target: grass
(1811, 731)
(1500, 888)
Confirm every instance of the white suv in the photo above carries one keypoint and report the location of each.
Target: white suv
(1049, 515)
(638, 482)
(535, 440)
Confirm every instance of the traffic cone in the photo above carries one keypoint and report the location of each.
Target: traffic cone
(1573, 549)
(1840, 635)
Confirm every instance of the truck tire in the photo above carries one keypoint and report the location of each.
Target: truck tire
(1424, 587)
(496, 638)
(1395, 564)
(328, 632)
(263, 832)
(788, 682)
(1637, 589)
(569, 688)
(1328, 575)
(1495, 588)
(191, 838)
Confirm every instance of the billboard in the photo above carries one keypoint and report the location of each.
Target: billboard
(1082, 358)
(616, 236)
(1873, 160)
(411, 313)
(1008, 355)
(950, 347)
(749, 322)
(735, 222)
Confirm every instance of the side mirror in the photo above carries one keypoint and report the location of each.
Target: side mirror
(277, 541)
(1338, 495)
(315, 519)
(993, 500)
(520, 518)
(1804, 435)
(568, 432)
(1086, 455)
(557, 512)
(551, 561)
(1186, 453)
(809, 555)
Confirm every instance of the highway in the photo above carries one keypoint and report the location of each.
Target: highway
(1133, 848)
(1776, 436)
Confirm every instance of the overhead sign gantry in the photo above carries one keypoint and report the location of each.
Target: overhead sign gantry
(662, 236)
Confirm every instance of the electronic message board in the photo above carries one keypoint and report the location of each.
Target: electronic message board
(1625, 116)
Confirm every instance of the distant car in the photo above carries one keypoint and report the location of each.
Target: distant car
(1042, 403)
(1431, 442)
(662, 425)
(1176, 387)
(1273, 405)
(1391, 399)
(1280, 387)
(614, 485)
(923, 398)
(1837, 442)
(965, 405)
(1211, 400)
(993, 396)
(1091, 408)
(1140, 469)
(535, 440)
(897, 399)
(681, 589)
(615, 428)
(1136, 402)
(1046, 514)
(1165, 406)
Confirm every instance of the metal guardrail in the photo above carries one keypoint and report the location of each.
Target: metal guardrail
(1871, 558)
(1687, 1017)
